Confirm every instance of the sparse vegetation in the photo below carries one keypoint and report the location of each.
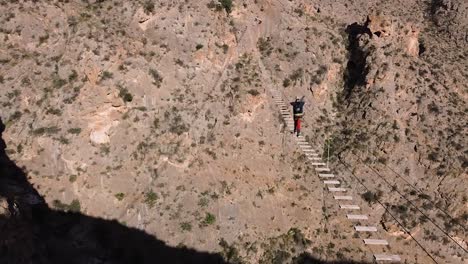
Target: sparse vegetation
(106, 75)
(151, 198)
(57, 82)
(105, 149)
(371, 197)
(208, 220)
(75, 130)
(253, 92)
(148, 6)
(16, 116)
(72, 178)
(120, 196)
(46, 131)
(220, 5)
(203, 202)
(74, 206)
(227, 5)
(73, 76)
(43, 39)
(264, 46)
(157, 78)
(186, 226)
(125, 94)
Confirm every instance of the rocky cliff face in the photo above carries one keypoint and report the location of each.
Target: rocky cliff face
(157, 114)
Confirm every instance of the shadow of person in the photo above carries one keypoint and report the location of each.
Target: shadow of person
(31, 232)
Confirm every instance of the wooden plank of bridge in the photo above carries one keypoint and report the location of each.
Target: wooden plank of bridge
(384, 257)
(350, 206)
(331, 182)
(334, 189)
(357, 217)
(365, 228)
(318, 164)
(343, 197)
(380, 242)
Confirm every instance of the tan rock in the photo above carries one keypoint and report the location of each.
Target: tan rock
(380, 26)
(412, 42)
(4, 207)
(101, 123)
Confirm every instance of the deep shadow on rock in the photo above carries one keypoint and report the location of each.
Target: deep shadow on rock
(31, 232)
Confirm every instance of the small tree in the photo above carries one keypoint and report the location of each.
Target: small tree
(148, 6)
(227, 5)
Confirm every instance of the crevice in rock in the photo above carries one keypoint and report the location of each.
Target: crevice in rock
(422, 48)
(355, 73)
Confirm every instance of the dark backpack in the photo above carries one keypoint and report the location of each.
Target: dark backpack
(298, 107)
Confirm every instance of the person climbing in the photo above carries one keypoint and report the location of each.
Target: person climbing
(298, 111)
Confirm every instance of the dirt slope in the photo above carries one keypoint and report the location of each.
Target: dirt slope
(158, 114)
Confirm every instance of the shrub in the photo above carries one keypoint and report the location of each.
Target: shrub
(208, 220)
(424, 196)
(105, 149)
(148, 6)
(106, 75)
(433, 156)
(74, 131)
(25, 81)
(57, 82)
(73, 76)
(433, 108)
(74, 206)
(253, 92)
(119, 196)
(227, 5)
(156, 123)
(46, 130)
(178, 126)
(299, 12)
(43, 39)
(64, 140)
(186, 226)
(15, 116)
(297, 74)
(199, 46)
(150, 198)
(211, 153)
(72, 178)
(125, 95)
(157, 78)
(322, 69)
(203, 202)
(225, 49)
(382, 160)
(54, 111)
(286, 82)
(371, 197)
(264, 46)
